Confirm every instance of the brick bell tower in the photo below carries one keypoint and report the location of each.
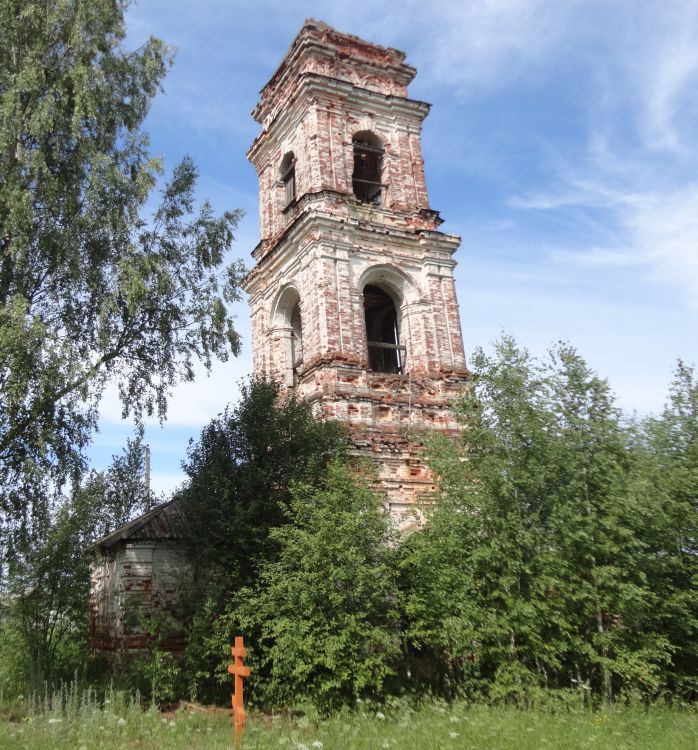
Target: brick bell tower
(352, 296)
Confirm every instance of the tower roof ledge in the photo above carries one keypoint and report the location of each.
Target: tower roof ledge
(319, 48)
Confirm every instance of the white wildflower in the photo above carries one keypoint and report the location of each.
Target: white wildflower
(54, 720)
(317, 744)
(380, 715)
(121, 721)
(453, 735)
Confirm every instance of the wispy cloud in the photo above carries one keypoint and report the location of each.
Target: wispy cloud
(481, 45)
(665, 75)
(636, 174)
(567, 131)
(654, 229)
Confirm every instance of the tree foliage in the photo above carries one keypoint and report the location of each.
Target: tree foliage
(240, 474)
(540, 563)
(667, 487)
(91, 293)
(323, 615)
(241, 471)
(44, 606)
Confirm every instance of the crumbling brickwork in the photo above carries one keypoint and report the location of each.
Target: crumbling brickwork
(131, 583)
(139, 575)
(323, 243)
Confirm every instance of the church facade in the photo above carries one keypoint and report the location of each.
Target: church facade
(352, 295)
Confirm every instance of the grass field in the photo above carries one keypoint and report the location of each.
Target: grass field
(120, 724)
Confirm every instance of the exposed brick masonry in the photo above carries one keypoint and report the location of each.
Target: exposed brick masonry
(321, 250)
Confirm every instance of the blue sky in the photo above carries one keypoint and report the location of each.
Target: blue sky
(562, 146)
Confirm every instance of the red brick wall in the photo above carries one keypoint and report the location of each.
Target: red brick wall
(327, 246)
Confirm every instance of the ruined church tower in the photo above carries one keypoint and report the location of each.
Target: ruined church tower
(352, 294)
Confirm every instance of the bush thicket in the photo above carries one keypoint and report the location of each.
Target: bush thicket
(557, 560)
(561, 550)
(242, 473)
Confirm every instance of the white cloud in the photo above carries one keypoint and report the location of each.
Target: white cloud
(636, 178)
(655, 229)
(165, 483)
(663, 228)
(191, 404)
(665, 73)
(481, 44)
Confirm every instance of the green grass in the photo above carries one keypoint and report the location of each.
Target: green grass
(120, 724)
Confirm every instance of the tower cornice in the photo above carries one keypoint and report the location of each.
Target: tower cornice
(316, 85)
(425, 246)
(341, 56)
(345, 208)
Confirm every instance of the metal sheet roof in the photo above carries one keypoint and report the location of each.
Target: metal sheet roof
(166, 521)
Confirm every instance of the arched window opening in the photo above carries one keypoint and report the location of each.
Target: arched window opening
(287, 331)
(296, 342)
(366, 177)
(288, 177)
(384, 351)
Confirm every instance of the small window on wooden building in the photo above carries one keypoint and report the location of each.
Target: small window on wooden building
(366, 177)
(288, 177)
(384, 351)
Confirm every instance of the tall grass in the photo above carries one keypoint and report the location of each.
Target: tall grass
(78, 719)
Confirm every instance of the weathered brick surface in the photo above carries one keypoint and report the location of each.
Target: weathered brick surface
(131, 583)
(326, 246)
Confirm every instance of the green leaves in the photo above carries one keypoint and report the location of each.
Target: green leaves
(551, 556)
(240, 473)
(667, 485)
(45, 609)
(324, 612)
(90, 292)
(240, 498)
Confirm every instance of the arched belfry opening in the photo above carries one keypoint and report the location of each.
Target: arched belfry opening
(368, 162)
(287, 175)
(296, 342)
(382, 331)
(288, 332)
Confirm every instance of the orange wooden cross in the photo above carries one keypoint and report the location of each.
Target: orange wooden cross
(238, 669)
